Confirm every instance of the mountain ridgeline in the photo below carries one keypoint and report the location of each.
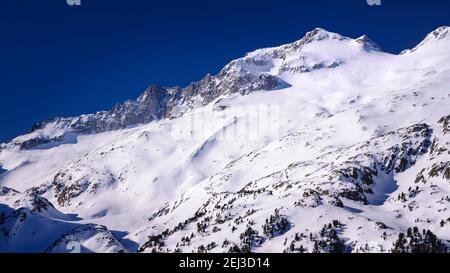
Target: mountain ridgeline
(158, 102)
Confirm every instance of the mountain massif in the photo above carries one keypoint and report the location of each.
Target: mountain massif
(327, 144)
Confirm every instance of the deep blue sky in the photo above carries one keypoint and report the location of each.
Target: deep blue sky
(58, 60)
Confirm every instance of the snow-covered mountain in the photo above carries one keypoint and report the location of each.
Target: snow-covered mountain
(326, 144)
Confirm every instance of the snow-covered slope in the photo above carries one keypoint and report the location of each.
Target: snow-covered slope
(327, 144)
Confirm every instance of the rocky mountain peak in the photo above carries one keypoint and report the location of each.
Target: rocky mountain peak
(319, 34)
(368, 43)
(150, 93)
(437, 36)
(439, 33)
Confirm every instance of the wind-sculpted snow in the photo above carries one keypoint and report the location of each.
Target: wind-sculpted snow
(327, 144)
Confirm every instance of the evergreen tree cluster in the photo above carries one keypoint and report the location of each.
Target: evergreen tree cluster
(415, 241)
(276, 225)
(328, 240)
(156, 242)
(444, 222)
(292, 248)
(250, 238)
(325, 241)
(185, 240)
(208, 248)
